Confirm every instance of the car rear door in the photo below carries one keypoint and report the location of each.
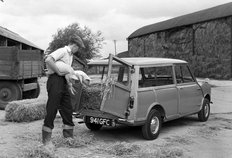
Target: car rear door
(117, 87)
(190, 94)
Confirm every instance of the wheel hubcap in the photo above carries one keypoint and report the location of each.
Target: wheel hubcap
(154, 125)
(206, 110)
(5, 94)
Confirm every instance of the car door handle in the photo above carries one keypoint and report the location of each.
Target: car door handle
(198, 89)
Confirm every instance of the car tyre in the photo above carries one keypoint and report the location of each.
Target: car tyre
(204, 113)
(93, 127)
(152, 127)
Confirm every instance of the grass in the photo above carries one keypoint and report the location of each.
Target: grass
(128, 150)
(78, 141)
(120, 149)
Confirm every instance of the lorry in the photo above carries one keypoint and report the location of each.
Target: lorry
(19, 72)
(21, 63)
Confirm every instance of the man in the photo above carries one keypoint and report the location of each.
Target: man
(57, 88)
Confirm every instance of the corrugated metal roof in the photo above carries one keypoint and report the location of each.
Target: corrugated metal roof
(14, 36)
(220, 11)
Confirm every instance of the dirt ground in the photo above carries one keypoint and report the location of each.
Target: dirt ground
(185, 137)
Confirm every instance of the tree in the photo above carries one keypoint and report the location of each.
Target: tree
(93, 41)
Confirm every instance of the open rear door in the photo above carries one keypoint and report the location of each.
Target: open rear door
(117, 87)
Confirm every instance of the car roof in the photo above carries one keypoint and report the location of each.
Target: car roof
(140, 61)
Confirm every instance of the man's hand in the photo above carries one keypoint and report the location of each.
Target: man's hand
(72, 90)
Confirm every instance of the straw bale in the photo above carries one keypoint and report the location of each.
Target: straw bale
(91, 97)
(25, 110)
(94, 95)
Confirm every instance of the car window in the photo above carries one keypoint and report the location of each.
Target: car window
(120, 74)
(183, 74)
(155, 76)
(97, 73)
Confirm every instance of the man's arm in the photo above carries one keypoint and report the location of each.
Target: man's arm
(51, 63)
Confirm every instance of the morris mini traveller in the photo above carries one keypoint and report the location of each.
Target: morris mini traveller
(146, 92)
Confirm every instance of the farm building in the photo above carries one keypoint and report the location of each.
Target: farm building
(202, 38)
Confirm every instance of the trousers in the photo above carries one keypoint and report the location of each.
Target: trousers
(58, 99)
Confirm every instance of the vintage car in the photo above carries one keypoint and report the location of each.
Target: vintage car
(146, 92)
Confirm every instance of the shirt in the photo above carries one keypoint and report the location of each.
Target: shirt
(62, 54)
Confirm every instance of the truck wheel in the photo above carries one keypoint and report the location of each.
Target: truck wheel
(203, 115)
(152, 126)
(9, 91)
(93, 127)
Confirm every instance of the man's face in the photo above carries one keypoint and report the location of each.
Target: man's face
(74, 48)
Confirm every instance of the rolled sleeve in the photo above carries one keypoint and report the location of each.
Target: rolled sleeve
(58, 54)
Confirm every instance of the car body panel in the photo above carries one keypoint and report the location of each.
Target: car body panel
(117, 102)
(190, 97)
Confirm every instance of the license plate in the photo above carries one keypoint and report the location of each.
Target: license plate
(99, 120)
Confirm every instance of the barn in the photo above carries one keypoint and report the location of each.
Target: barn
(202, 38)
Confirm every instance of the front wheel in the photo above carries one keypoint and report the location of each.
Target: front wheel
(203, 115)
(153, 124)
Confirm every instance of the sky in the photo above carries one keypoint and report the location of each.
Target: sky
(38, 20)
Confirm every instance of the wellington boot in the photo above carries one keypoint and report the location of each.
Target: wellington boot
(67, 131)
(46, 135)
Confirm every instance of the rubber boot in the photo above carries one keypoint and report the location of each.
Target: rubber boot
(46, 137)
(48, 146)
(68, 131)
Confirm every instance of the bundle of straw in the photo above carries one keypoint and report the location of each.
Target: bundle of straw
(91, 97)
(25, 110)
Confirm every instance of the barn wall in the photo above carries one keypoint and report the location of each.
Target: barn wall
(206, 46)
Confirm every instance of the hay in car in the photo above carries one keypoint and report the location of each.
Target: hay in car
(91, 97)
(94, 95)
(25, 110)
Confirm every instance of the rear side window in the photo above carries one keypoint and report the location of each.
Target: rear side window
(155, 76)
(119, 73)
(183, 74)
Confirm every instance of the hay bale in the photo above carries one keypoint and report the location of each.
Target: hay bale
(25, 110)
(91, 97)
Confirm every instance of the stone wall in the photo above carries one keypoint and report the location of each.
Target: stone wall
(206, 46)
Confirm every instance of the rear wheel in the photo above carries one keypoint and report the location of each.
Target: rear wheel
(203, 115)
(9, 91)
(152, 126)
(93, 127)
